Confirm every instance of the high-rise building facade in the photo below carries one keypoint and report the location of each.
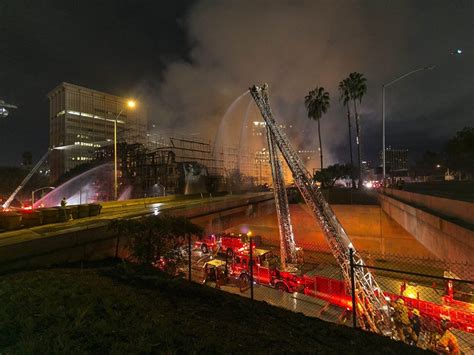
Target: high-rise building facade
(309, 157)
(396, 161)
(82, 120)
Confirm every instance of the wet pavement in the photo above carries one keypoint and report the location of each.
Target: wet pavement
(296, 302)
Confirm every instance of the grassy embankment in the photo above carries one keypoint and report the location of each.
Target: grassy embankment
(108, 309)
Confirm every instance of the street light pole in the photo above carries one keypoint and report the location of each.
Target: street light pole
(383, 134)
(383, 109)
(34, 191)
(130, 104)
(115, 156)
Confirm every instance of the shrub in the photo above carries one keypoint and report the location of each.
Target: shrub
(158, 240)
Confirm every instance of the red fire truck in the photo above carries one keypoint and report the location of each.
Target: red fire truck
(227, 243)
(319, 285)
(334, 291)
(460, 314)
(265, 271)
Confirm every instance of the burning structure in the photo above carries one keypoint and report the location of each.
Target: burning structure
(184, 165)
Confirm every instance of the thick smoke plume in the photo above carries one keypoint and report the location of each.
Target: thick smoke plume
(297, 45)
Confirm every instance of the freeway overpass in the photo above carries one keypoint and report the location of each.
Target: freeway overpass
(90, 238)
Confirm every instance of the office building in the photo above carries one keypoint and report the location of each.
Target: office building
(82, 120)
(396, 161)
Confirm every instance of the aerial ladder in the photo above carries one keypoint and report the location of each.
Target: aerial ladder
(287, 240)
(372, 308)
(25, 180)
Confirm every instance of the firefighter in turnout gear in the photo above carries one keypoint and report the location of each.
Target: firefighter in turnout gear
(402, 322)
(448, 343)
(415, 328)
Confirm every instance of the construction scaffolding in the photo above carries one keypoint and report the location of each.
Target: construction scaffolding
(186, 165)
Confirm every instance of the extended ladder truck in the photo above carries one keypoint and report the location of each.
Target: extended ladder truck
(373, 311)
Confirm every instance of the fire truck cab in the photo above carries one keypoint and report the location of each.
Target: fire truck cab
(226, 243)
(265, 271)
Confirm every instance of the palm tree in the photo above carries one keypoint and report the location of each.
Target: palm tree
(344, 90)
(357, 89)
(317, 103)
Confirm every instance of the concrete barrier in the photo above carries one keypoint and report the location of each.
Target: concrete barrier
(461, 210)
(10, 220)
(369, 228)
(138, 202)
(445, 239)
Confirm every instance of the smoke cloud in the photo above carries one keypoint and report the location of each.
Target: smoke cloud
(297, 45)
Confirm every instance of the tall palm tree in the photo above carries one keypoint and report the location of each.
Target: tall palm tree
(357, 89)
(317, 103)
(345, 97)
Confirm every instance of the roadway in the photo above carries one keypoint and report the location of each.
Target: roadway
(296, 302)
(131, 209)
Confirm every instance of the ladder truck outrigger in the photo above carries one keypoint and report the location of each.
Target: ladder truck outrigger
(373, 312)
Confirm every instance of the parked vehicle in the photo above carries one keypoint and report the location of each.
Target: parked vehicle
(226, 243)
(316, 283)
(266, 271)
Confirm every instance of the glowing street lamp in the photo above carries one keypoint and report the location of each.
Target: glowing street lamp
(131, 104)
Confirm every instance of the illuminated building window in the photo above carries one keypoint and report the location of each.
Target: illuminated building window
(76, 113)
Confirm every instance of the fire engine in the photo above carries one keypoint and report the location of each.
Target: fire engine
(459, 314)
(227, 243)
(265, 271)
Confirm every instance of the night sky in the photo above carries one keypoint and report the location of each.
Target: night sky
(188, 60)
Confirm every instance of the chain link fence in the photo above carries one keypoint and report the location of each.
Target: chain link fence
(431, 302)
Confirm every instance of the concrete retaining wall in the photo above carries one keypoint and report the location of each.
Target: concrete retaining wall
(369, 228)
(446, 240)
(461, 210)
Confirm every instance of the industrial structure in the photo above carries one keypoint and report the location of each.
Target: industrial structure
(187, 165)
(177, 164)
(82, 120)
